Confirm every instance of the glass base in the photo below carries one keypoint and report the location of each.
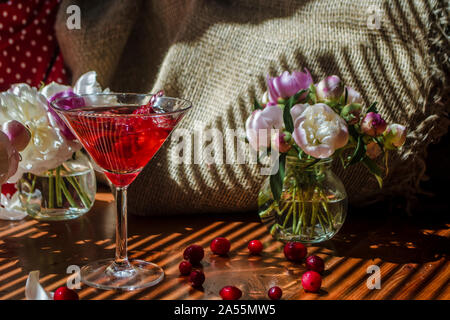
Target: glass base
(317, 237)
(56, 214)
(108, 275)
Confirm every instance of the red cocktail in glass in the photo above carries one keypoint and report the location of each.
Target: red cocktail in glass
(121, 132)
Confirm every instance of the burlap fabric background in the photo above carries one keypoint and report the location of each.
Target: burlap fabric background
(217, 54)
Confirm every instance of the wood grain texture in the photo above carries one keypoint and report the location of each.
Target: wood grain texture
(412, 255)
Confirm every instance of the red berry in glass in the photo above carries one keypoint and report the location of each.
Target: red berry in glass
(64, 293)
(8, 189)
(255, 247)
(194, 253)
(294, 251)
(311, 281)
(275, 293)
(196, 278)
(185, 268)
(230, 293)
(315, 263)
(220, 246)
(122, 146)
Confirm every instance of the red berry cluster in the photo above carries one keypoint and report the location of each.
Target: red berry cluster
(193, 255)
(293, 251)
(311, 279)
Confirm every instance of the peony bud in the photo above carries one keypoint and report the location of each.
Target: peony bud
(373, 150)
(351, 113)
(353, 96)
(281, 142)
(394, 136)
(373, 125)
(329, 88)
(9, 158)
(17, 133)
(288, 84)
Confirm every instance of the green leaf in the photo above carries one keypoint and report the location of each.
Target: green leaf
(333, 105)
(312, 93)
(282, 166)
(359, 153)
(380, 142)
(288, 122)
(287, 118)
(276, 180)
(294, 99)
(374, 169)
(373, 107)
(312, 163)
(353, 132)
(257, 106)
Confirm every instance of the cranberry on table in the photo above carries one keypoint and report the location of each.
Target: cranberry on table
(255, 247)
(197, 278)
(311, 281)
(230, 293)
(220, 246)
(315, 263)
(275, 293)
(64, 293)
(185, 268)
(294, 251)
(194, 253)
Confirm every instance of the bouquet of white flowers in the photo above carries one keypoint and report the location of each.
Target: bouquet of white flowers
(306, 125)
(46, 141)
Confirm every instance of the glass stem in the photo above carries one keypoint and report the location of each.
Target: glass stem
(121, 226)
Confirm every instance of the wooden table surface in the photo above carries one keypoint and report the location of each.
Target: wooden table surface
(412, 254)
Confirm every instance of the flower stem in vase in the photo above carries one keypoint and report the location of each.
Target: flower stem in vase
(313, 214)
(294, 207)
(67, 193)
(325, 208)
(301, 212)
(84, 198)
(59, 201)
(51, 188)
(286, 219)
(33, 185)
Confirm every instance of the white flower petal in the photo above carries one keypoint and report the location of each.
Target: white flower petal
(319, 131)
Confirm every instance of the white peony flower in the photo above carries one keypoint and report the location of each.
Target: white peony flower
(260, 123)
(318, 130)
(48, 148)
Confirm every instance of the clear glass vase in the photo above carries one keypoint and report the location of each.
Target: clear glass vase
(313, 203)
(63, 193)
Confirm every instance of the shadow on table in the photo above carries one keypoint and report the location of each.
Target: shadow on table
(378, 233)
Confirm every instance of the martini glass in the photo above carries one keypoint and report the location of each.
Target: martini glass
(121, 132)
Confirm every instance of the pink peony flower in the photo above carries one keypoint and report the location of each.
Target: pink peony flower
(86, 84)
(394, 136)
(318, 130)
(373, 125)
(373, 150)
(9, 158)
(288, 84)
(329, 89)
(258, 126)
(17, 133)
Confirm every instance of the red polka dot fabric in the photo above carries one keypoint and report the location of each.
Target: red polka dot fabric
(28, 47)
